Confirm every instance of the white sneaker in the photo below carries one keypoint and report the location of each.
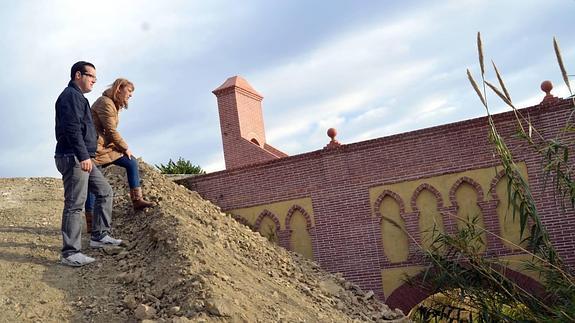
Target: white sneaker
(105, 241)
(77, 260)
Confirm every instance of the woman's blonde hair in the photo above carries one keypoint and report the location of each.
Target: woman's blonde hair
(114, 89)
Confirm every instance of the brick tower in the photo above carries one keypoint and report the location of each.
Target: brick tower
(242, 124)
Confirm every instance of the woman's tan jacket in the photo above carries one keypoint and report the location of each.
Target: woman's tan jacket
(111, 145)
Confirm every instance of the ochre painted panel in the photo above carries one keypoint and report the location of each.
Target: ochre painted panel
(395, 240)
(300, 240)
(508, 219)
(469, 215)
(279, 209)
(428, 203)
(443, 183)
(430, 219)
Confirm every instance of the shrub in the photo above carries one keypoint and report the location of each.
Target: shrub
(180, 167)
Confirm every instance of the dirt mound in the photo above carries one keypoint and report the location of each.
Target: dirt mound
(186, 260)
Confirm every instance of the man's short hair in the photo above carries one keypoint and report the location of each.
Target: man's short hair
(80, 67)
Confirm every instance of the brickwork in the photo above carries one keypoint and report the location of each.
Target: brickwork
(242, 124)
(346, 237)
(408, 296)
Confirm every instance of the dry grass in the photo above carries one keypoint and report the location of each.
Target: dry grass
(561, 65)
(476, 87)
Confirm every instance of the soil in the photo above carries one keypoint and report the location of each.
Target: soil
(183, 261)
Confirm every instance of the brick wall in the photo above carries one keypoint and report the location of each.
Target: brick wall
(346, 237)
(242, 124)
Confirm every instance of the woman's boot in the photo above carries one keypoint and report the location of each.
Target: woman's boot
(88, 221)
(138, 200)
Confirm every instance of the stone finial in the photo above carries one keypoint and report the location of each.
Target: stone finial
(237, 82)
(547, 86)
(333, 143)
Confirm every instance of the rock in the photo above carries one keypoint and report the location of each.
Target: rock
(157, 292)
(130, 302)
(122, 255)
(218, 306)
(376, 316)
(198, 305)
(368, 295)
(390, 315)
(112, 250)
(307, 290)
(144, 312)
(174, 310)
(330, 287)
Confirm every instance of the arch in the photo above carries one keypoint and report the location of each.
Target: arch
(254, 138)
(290, 213)
(266, 213)
(430, 188)
(394, 239)
(494, 182)
(407, 296)
(466, 195)
(298, 225)
(430, 218)
(476, 186)
(271, 232)
(382, 196)
(509, 227)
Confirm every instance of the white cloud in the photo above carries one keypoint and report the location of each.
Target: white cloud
(217, 163)
(371, 115)
(422, 114)
(371, 77)
(338, 64)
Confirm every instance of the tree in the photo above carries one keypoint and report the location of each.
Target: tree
(180, 167)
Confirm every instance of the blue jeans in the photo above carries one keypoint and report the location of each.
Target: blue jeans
(76, 184)
(131, 166)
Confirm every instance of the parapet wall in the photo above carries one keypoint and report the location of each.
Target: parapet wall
(328, 204)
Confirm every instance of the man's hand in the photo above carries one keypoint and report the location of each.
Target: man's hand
(129, 153)
(86, 165)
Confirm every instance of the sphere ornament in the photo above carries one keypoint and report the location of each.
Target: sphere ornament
(331, 132)
(333, 143)
(546, 86)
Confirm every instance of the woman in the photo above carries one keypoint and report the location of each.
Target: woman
(112, 149)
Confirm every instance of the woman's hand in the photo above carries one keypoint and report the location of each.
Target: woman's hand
(129, 153)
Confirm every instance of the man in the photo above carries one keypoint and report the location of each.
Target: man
(76, 145)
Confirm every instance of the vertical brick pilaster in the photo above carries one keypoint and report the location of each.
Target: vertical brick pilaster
(242, 124)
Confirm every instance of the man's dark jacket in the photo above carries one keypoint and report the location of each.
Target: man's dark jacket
(75, 131)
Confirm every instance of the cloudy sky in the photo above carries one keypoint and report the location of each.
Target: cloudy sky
(370, 68)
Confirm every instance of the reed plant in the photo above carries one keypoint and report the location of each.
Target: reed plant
(476, 288)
